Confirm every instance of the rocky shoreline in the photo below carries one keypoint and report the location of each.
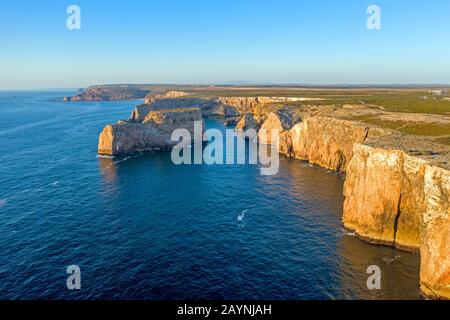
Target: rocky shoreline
(397, 186)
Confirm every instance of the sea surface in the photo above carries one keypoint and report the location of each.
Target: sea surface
(140, 227)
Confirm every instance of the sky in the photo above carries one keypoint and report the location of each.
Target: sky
(223, 41)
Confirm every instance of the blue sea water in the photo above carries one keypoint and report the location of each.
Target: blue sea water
(140, 227)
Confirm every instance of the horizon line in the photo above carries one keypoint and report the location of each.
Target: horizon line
(246, 84)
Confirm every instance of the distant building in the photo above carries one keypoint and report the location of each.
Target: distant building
(440, 92)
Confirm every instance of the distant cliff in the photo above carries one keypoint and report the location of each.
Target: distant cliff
(108, 93)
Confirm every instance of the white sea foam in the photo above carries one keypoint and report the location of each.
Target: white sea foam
(123, 159)
(389, 260)
(348, 232)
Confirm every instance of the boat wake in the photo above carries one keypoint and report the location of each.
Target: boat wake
(242, 215)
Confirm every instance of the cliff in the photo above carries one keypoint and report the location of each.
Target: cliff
(329, 142)
(108, 93)
(435, 234)
(384, 196)
(402, 199)
(231, 108)
(397, 187)
(279, 121)
(152, 134)
(249, 121)
(171, 94)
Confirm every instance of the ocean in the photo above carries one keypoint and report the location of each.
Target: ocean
(140, 227)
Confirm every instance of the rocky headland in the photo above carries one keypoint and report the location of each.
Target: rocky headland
(151, 134)
(397, 185)
(109, 93)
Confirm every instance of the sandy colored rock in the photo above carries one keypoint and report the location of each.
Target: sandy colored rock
(326, 141)
(384, 196)
(248, 121)
(395, 198)
(276, 124)
(140, 112)
(435, 234)
(153, 134)
(151, 98)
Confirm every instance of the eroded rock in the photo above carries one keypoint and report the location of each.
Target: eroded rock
(435, 234)
(395, 198)
(276, 124)
(384, 196)
(153, 134)
(248, 121)
(326, 141)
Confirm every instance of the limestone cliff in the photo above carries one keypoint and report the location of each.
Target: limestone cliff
(244, 105)
(435, 234)
(107, 93)
(400, 196)
(230, 108)
(277, 122)
(397, 187)
(248, 121)
(328, 142)
(171, 94)
(384, 196)
(152, 134)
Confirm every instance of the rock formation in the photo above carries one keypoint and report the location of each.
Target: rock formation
(397, 187)
(277, 123)
(328, 142)
(396, 198)
(107, 93)
(171, 94)
(435, 234)
(152, 134)
(230, 108)
(384, 196)
(248, 121)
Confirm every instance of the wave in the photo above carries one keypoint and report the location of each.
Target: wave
(389, 260)
(105, 156)
(349, 233)
(3, 202)
(31, 125)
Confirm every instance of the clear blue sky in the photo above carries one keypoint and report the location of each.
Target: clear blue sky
(213, 41)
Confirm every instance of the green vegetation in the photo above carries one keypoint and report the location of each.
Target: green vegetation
(397, 100)
(415, 128)
(411, 102)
